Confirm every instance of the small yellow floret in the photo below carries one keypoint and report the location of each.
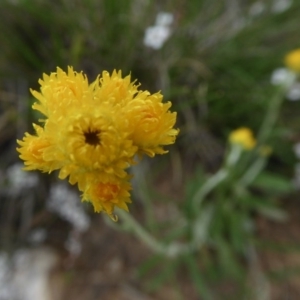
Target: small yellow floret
(32, 151)
(152, 123)
(244, 137)
(292, 60)
(106, 194)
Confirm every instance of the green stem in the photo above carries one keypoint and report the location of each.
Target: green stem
(271, 115)
(253, 171)
(171, 250)
(208, 186)
(234, 155)
(130, 224)
(231, 160)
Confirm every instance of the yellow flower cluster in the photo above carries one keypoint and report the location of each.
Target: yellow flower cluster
(243, 137)
(91, 133)
(292, 60)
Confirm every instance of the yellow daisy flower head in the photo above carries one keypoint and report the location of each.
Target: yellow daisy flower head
(292, 60)
(95, 141)
(243, 137)
(91, 133)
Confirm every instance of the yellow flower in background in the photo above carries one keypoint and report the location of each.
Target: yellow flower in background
(292, 60)
(91, 133)
(243, 137)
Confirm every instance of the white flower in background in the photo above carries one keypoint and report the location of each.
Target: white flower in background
(256, 9)
(164, 19)
(66, 203)
(156, 36)
(287, 78)
(296, 149)
(280, 6)
(282, 76)
(294, 92)
(19, 180)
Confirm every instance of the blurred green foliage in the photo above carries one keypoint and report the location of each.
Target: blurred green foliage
(215, 68)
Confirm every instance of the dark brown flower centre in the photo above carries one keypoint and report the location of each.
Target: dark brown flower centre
(92, 137)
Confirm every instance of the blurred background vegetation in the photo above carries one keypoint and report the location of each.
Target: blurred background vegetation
(215, 65)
